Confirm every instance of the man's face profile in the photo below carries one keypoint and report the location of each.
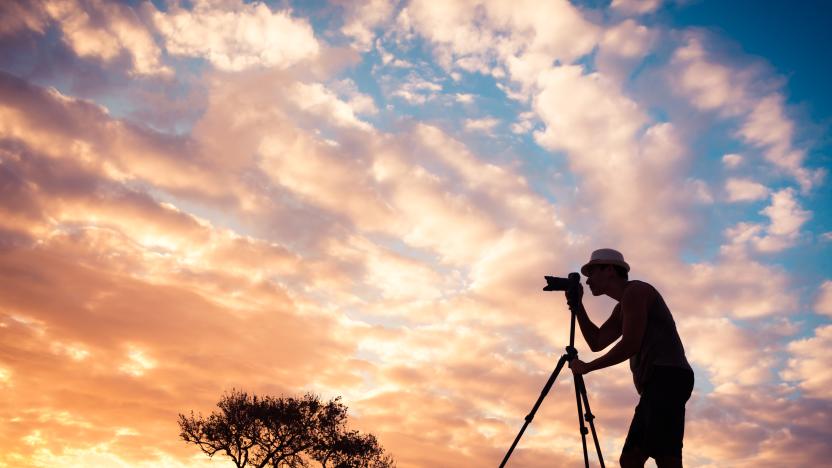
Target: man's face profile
(598, 278)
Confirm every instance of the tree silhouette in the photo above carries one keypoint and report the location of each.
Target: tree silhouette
(283, 432)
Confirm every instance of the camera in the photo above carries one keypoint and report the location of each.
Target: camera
(554, 283)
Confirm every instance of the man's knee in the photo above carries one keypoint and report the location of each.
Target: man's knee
(668, 462)
(632, 459)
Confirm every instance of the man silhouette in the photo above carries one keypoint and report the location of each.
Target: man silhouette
(661, 373)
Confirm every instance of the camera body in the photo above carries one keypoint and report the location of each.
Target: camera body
(554, 283)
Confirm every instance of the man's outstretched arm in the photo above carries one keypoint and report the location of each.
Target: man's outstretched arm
(596, 338)
(574, 299)
(633, 323)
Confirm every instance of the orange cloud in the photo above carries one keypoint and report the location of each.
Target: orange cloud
(285, 244)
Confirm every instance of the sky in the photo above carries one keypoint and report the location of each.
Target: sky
(361, 199)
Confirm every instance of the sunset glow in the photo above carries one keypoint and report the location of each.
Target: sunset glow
(361, 199)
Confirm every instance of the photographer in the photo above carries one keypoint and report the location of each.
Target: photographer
(661, 373)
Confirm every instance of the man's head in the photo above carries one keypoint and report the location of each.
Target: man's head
(606, 269)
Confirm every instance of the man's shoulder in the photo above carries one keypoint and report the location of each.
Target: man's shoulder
(639, 285)
(639, 289)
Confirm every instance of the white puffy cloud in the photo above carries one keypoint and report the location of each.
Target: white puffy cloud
(732, 355)
(417, 90)
(628, 168)
(94, 29)
(768, 126)
(484, 125)
(699, 190)
(709, 85)
(526, 37)
(739, 189)
(317, 99)
(809, 364)
(623, 45)
(787, 217)
(464, 98)
(823, 303)
(306, 166)
(585, 113)
(361, 18)
(739, 92)
(635, 7)
(732, 160)
(235, 36)
(521, 127)
(390, 59)
(734, 287)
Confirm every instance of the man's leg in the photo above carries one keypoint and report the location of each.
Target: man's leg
(633, 458)
(667, 415)
(668, 461)
(633, 455)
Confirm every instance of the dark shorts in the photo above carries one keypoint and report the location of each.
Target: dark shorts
(659, 421)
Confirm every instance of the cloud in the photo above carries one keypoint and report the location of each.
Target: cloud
(417, 90)
(786, 217)
(823, 303)
(318, 99)
(730, 354)
(97, 29)
(313, 177)
(745, 190)
(571, 125)
(730, 287)
(21, 15)
(525, 123)
(182, 261)
(285, 244)
(699, 191)
(196, 284)
(237, 36)
(743, 93)
(64, 127)
(523, 38)
(624, 45)
(808, 365)
(628, 168)
(635, 7)
(388, 58)
(757, 440)
(361, 103)
(732, 160)
(362, 18)
(135, 333)
(484, 125)
(464, 98)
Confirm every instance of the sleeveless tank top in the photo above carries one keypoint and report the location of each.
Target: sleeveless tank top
(660, 346)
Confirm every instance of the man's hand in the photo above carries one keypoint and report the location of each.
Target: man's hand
(579, 367)
(574, 295)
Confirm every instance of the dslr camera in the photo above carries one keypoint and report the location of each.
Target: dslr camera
(554, 283)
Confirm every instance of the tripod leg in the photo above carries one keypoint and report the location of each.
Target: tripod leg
(563, 359)
(590, 419)
(581, 417)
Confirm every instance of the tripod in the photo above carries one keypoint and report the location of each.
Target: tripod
(580, 398)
